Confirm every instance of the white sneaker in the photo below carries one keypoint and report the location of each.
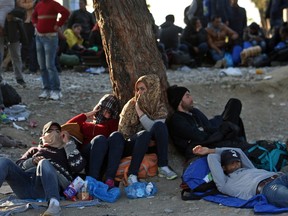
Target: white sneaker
(167, 173)
(52, 210)
(55, 95)
(132, 179)
(44, 94)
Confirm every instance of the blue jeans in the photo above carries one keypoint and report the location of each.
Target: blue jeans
(105, 152)
(217, 56)
(28, 184)
(46, 53)
(137, 146)
(276, 191)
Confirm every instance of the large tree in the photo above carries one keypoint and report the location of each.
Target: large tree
(129, 43)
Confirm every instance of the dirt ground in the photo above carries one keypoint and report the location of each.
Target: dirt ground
(264, 98)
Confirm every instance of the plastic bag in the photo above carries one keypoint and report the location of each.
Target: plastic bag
(229, 60)
(141, 190)
(101, 191)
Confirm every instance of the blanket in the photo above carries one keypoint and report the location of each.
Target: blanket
(259, 203)
(10, 205)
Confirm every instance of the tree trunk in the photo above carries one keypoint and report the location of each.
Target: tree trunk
(129, 44)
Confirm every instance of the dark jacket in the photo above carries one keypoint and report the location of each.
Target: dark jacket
(169, 35)
(67, 161)
(15, 32)
(187, 131)
(193, 38)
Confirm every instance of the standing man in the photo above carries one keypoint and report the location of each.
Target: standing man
(237, 18)
(44, 18)
(5, 8)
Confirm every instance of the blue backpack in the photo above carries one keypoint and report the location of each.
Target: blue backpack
(197, 181)
(268, 155)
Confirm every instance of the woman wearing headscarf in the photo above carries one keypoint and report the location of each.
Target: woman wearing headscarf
(142, 123)
(95, 143)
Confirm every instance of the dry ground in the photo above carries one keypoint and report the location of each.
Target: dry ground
(264, 114)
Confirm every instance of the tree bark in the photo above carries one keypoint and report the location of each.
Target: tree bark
(129, 44)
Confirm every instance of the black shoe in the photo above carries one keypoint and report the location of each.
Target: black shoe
(21, 82)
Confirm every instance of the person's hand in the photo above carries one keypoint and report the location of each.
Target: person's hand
(65, 136)
(200, 150)
(138, 110)
(56, 28)
(37, 159)
(91, 114)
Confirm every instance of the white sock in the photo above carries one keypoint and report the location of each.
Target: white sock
(54, 201)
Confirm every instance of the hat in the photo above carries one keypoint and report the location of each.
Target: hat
(175, 94)
(110, 102)
(48, 126)
(228, 156)
(74, 130)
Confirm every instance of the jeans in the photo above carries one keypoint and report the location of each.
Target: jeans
(105, 151)
(159, 133)
(42, 184)
(15, 52)
(217, 56)
(137, 146)
(46, 53)
(276, 191)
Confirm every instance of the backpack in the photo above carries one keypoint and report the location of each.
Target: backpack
(268, 155)
(148, 168)
(197, 181)
(10, 95)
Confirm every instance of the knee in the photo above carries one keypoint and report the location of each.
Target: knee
(116, 137)
(98, 139)
(159, 126)
(4, 162)
(44, 163)
(144, 136)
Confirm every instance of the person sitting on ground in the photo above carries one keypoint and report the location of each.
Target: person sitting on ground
(232, 170)
(218, 34)
(98, 147)
(188, 126)
(74, 38)
(44, 171)
(143, 129)
(195, 37)
(254, 36)
(84, 18)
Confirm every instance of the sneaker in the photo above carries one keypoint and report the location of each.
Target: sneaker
(110, 183)
(44, 94)
(53, 210)
(55, 95)
(21, 82)
(167, 173)
(132, 179)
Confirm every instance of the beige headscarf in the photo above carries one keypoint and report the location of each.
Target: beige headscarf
(149, 102)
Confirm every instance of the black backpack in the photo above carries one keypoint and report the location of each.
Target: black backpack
(197, 181)
(10, 95)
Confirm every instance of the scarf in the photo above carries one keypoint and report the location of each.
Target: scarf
(52, 139)
(149, 102)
